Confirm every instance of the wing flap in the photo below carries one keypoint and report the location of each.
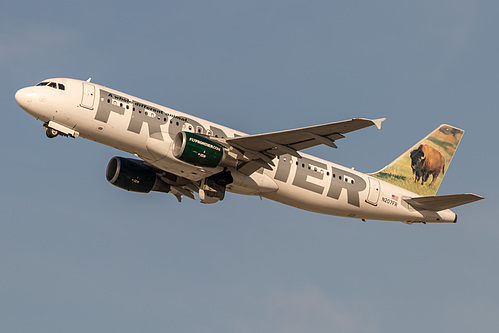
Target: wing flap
(442, 202)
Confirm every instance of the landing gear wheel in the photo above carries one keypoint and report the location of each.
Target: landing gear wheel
(51, 133)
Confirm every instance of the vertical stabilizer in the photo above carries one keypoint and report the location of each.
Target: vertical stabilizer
(422, 168)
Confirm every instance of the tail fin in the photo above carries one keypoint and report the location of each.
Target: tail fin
(421, 168)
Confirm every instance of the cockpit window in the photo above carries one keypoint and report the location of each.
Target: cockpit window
(55, 85)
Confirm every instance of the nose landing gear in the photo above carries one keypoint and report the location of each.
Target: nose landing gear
(54, 129)
(51, 133)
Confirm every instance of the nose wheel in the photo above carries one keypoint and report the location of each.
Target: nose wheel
(53, 129)
(51, 133)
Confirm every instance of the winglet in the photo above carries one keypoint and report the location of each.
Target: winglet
(378, 122)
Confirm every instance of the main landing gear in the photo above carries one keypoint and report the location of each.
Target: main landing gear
(212, 189)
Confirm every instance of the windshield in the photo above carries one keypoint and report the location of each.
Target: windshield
(54, 85)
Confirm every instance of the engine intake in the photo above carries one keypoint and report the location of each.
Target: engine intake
(133, 175)
(199, 150)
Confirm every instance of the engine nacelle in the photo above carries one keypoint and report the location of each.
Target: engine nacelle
(133, 175)
(198, 150)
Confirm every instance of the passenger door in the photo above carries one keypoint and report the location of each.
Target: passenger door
(88, 96)
(374, 191)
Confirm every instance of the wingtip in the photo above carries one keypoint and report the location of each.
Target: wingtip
(378, 122)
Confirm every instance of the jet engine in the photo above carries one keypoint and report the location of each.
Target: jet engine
(201, 151)
(133, 175)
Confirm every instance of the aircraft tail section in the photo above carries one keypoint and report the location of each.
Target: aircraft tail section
(421, 168)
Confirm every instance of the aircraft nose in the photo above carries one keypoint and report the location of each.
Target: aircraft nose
(24, 97)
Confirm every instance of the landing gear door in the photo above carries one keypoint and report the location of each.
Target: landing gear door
(88, 96)
(374, 191)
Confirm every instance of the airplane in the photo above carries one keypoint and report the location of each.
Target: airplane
(181, 154)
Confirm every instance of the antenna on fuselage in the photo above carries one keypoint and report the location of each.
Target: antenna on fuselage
(89, 79)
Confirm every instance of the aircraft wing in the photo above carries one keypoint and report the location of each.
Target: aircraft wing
(260, 149)
(178, 186)
(441, 202)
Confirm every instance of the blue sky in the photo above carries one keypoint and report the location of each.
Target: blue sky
(79, 255)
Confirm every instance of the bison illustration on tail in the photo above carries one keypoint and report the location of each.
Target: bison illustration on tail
(429, 157)
(426, 161)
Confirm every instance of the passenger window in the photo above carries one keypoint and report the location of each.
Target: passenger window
(61, 86)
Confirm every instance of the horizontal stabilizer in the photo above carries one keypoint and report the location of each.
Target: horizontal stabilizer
(442, 202)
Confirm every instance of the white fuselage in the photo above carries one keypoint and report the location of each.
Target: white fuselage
(147, 130)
